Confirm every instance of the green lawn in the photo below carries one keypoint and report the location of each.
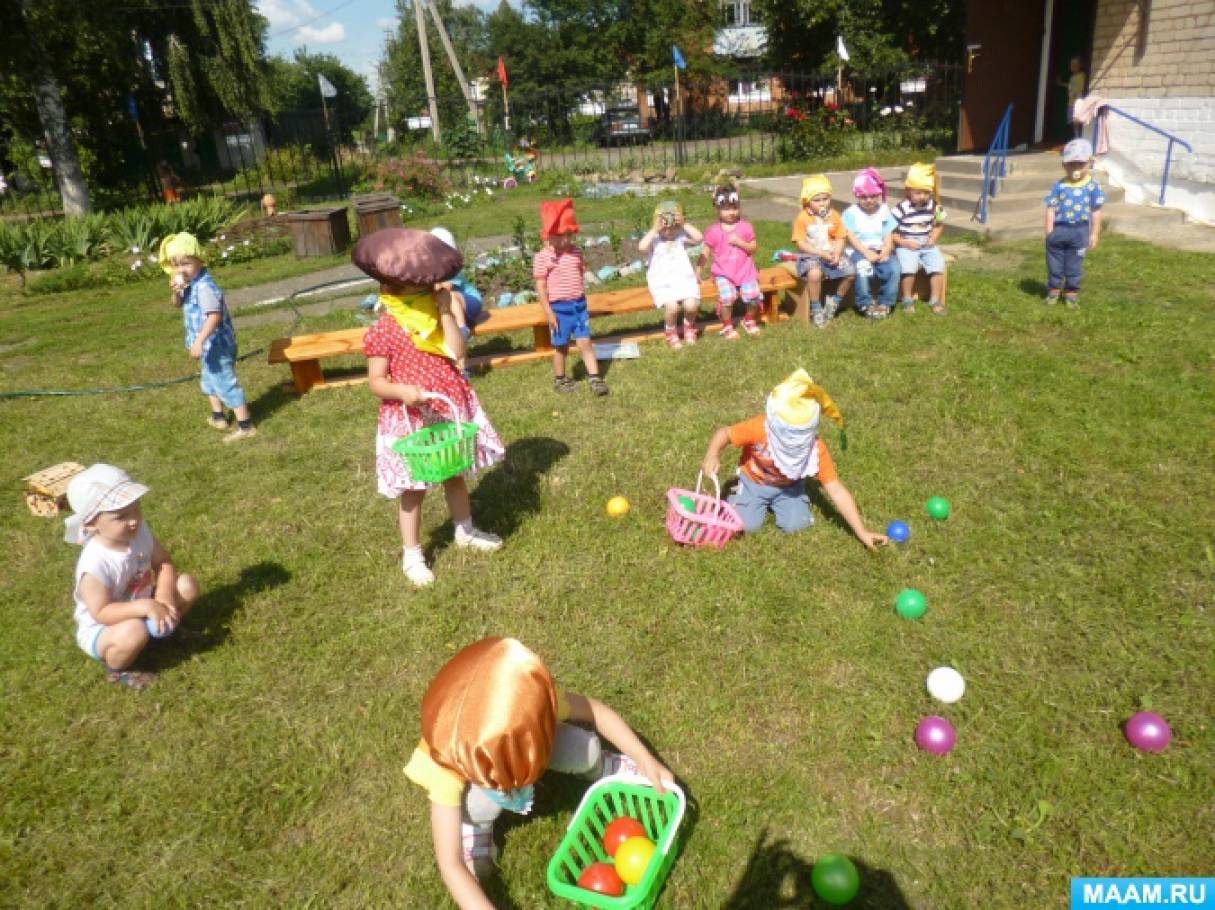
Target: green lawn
(1072, 585)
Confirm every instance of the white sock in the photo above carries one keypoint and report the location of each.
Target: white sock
(412, 556)
(466, 526)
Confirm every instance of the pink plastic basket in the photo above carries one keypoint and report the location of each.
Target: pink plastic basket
(710, 523)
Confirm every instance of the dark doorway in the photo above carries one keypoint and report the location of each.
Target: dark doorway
(1071, 38)
(1004, 49)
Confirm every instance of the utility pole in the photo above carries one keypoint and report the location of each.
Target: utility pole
(455, 65)
(430, 79)
(389, 133)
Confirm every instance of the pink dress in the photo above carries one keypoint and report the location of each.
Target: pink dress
(729, 262)
(433, 373)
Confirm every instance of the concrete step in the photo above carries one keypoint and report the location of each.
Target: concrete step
(1019, 163)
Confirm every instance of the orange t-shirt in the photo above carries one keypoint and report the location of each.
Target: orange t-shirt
(756, 462)
(818, 232)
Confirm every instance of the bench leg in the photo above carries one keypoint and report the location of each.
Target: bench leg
(801, 302)
(307, 375)
(543, 339)
(772, 307)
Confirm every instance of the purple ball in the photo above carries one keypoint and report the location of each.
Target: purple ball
(935, 735)
(1148, 731)
(152, 629)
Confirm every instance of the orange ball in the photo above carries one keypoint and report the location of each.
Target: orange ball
(633, 858)
(617, 506)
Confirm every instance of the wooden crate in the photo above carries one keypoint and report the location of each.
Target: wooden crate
(374, 213)
(319, 232)
(46, 490)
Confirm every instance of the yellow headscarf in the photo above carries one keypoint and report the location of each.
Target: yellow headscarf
(418, 315)
(922, 176)
(813, 186)
(798, 401)
(175, 245)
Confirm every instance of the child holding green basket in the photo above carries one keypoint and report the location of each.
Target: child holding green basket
(492, 722)
(411, 362)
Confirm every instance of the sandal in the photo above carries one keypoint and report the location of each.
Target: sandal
(136, 680)
(938, 309)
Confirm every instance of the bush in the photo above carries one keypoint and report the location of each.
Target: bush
(417, 176)
(814, 132)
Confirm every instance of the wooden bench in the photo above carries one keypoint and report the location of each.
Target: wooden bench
(305, 352)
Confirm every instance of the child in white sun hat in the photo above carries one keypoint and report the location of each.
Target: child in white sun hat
(127, 589)
(1073, 223)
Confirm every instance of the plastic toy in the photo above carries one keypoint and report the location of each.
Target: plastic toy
(440, 451)
(687, 502)
(152, 629)
(633, 858)
(946, 684)
(618, 831)
(519, 168)
(1148, 731)
(937, 507)
(602, 879)
(898, 531)
(835, 879)
(710, 523)
(910, 604)
(609, 798)
(935, 735)
(617, 506)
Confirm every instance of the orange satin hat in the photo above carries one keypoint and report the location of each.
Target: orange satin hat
(557, 217)
(490, 714)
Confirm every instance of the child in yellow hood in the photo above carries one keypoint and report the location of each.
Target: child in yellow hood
(920, 220)
(819, 234)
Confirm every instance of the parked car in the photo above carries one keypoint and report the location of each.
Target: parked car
(620, 125)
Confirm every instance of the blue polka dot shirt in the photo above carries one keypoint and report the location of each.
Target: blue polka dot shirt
(1074, 202)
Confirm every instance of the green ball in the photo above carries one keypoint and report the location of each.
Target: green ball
(688, 503)
(835, 879)
(910, 604)
(937, 507)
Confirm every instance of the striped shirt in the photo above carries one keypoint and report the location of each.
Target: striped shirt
(917, 221)
(561, 273)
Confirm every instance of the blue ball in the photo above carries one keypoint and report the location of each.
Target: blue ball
(152, 629)
(898, 531)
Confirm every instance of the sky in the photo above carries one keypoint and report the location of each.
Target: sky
(351, 30)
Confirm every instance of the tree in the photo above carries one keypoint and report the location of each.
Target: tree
(294, 87)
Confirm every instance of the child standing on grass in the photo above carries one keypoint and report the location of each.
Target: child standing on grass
(210, 335)
(780, 449)
(557, 270)
(819, 233)
(466, 302)
(411, 362)
(1073, 223)
(670, 276)
(731, 240)
(493, 722)
(920, 220)
(870, 228)
(127, 588)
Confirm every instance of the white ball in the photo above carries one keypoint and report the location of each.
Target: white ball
(946, 684)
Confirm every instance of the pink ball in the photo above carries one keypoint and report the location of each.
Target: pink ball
(1148, 731)
(935, 735)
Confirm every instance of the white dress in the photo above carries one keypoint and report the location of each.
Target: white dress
(670, 274)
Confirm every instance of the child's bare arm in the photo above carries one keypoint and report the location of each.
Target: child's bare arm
(453, 338)
(644, 244)
(717, 445)
(107, 611)
(693, 233)
(935, 235)
(210, 324)
(382, 386)
(859, 245)
(166, 578)
(747, 246)
(449, 854)
(611, 725)
(1095, 232)
(842, 499)
(542, 294)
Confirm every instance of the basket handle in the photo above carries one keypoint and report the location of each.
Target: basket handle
(670, 786)
(700, 476)
(439, 396)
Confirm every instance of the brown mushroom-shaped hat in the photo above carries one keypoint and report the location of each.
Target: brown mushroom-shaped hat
(406, 256)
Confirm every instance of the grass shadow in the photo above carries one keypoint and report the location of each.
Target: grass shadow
(269, 401)
(209, 618)
(508, 492)
(776, 877)
(1035, 287)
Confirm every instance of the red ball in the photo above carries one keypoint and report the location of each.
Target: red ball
(618, 831)
(602, 879)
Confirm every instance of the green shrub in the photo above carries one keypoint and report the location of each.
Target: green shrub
(818, 132)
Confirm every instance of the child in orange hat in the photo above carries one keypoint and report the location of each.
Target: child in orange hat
(557, 270)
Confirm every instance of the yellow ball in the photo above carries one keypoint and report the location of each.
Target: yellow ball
(617, 506)
(632, 859)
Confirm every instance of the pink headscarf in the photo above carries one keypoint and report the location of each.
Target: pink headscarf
(868, 183)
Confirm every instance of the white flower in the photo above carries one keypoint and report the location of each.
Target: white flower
(488, 191)
(224, 254)
(885, 112)
(152, 258)
(246, 243)
(230, 248)
(135, 249)
(898, 108)
(136, 265)
(223, 236)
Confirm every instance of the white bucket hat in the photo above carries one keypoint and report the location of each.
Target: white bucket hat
(98, 488)
(1077, 150)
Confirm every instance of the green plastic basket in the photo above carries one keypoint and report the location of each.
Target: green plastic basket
(440, 451)
(582, 845)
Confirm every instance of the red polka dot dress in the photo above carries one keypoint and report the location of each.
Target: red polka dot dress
(406, 364)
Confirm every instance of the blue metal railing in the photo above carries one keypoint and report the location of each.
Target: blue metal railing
(1168, 156)
(995, 164)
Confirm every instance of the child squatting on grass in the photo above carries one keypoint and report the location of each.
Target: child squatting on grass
(557, 270)
(732, 242)
(411, 362)
(820, 236)
(210, 335)
(1073, 223)
(780, 449)
(492, 722)
(671, 278)
(920, 220)
(127, 588)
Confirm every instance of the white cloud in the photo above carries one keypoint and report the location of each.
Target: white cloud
(283, 14)
(387, 22)
(330, 34)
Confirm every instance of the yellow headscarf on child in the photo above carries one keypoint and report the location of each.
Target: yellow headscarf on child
(418, 315)
(798, 400)
(175, 245)
(922, 176)
(814, 185)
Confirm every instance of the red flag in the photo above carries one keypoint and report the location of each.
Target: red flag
(502, 73)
